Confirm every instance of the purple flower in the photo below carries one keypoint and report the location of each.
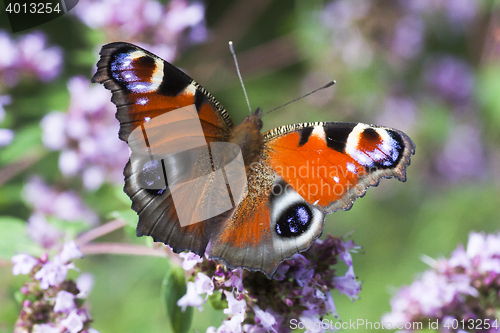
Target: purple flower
(345, 255)
(29, 55)
(23, 263)
(347, 40)
(43, 232)
(460, 287)
(203, 284)
(6, 137)
(52, 273)
(69, 252)
(347, 284)
(281, 272)
(236, 280)
(84, 283)
(65, 302)
(264, 318)
(460, 11)
(34, 55)
(462, 157)
(310, 320)
(157, 28)
(235, 307)
(50, 304)
(87, 136)
(9, 51)
(451, 78)
(190, 260)
(232, 325)
(73, 323)
(399, 112)
(46, 328)
(65, 205)
(191, 298)
(301, 287)
(53, 136)
(182, 15)
(408, 37)
(457, 11)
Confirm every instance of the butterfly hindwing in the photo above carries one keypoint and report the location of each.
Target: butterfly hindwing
(270, 225)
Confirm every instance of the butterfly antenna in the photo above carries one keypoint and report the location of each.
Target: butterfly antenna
(239, 73)
(329, 84)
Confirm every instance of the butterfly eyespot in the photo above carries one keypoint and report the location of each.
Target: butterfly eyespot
(294, 221)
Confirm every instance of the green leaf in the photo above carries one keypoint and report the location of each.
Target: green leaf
(10, 194)
(487, 92)
(27, 141)
(19, 297)
(217, 302)
(129, 216)
(121, 196)
(14, 239)
(71, 229)
(173, 288)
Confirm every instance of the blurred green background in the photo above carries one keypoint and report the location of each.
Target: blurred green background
(428, 68)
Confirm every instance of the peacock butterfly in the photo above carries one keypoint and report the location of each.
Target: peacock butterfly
(263, 197)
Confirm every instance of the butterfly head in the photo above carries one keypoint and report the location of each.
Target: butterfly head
(247, 136)
(255, 119)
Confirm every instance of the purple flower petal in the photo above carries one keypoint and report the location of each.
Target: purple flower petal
(266, 319)
(6, 137)
(191, 298)
(9, 52)
(43, 232)
(73, 323)
(23, 263)
(65, 302)
(70, 251)
(235, 280)
(84, 283)
(190, 260)
(235, 307)
(347, 284)
(52, 274)
(203, 284)
(46, 328)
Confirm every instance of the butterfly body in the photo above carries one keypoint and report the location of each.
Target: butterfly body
(281, 184)
(248, 137)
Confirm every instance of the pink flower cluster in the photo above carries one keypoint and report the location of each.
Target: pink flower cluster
(51, 303)
(28, 55)
(6, 135)
(161, 29)
(48, 202)
(87, 136)
(407, 38)
(465, 287)
(301, 288)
